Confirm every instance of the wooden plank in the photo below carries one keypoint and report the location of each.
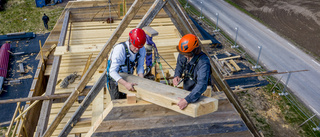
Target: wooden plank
(87, 65)
(99, 59)
(229, 66)
(21, 68)
(11, 123)
(235, 65)
(167, 96)
(97, 105)
(233, 57)
(46, 105)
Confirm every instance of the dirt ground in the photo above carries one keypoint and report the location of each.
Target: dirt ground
(298, 20)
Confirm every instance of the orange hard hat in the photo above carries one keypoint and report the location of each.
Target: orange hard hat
(187, 44)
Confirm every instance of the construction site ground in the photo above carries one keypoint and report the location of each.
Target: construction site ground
(20, 82)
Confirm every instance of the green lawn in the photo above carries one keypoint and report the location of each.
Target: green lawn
(24, 16)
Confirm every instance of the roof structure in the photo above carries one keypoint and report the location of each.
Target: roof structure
(80, 42)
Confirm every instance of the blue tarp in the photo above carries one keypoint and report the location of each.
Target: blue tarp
(205, 34)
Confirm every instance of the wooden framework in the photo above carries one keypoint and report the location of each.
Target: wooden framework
(70, 118)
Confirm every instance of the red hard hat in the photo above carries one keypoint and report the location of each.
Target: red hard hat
(137, 37)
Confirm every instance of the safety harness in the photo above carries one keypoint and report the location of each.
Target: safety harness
(188, 73)
(128, 63)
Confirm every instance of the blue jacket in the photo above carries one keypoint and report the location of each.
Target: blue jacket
(200, 77)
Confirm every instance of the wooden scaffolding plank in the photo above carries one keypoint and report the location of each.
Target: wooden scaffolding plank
(99, 59)
(235, 65)
(167, 96)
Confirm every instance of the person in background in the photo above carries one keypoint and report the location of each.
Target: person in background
(45, 20)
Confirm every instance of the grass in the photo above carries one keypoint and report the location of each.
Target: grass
(24, 16)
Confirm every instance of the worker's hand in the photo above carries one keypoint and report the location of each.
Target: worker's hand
(182, 103)
(176, 80)
(129, 86)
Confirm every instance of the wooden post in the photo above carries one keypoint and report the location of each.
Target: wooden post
(94, 66)
(42, 59)
(17, 123)
(87, 65)
(12, 121)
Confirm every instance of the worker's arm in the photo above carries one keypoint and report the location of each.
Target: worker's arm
(179, 69)
(128, 85)
(203, 73)
(140, 69)
(117, 58)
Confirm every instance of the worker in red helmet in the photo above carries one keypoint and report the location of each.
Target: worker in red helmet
(194, 66)
(125, 57)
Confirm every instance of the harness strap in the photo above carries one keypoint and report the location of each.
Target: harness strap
(127, 61)
(191, 70)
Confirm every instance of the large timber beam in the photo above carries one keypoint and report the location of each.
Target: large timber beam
(46, 105)
(167, 96)
(94, 66)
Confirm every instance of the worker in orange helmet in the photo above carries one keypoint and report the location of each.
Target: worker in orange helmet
(194, 66)
(124, 58)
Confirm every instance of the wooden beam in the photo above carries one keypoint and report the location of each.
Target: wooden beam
(152, 13)
(272, 72)
(87, 65)
(46, 97)
(167, 96)
(12, 121)
(46, 105)
(233, 57)
(235, 65)
(85, 103)
(94, 66)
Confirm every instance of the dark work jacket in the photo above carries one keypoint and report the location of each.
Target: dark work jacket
(199, 82)
(45, 19)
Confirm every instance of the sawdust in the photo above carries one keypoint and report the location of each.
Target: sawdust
(23, 59)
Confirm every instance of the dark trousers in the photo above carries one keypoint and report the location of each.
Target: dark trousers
(45, 25)
(114, 91)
